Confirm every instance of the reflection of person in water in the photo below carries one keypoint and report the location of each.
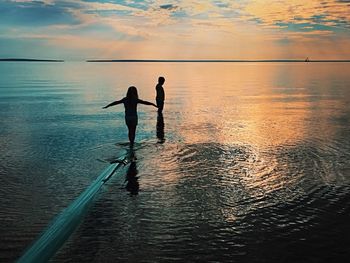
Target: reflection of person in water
(130, 103)
(131, 179)
(160, 128)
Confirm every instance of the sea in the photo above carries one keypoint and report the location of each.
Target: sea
(249, 161)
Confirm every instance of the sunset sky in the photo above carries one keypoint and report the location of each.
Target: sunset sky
(193, 29)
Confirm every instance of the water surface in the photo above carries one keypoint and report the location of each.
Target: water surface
(250, 162)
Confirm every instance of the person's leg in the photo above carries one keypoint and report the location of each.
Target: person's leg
(160, 105)
(132, 131)
(131, 122)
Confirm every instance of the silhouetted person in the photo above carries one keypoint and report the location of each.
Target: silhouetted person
(160, 128)
(131, 178)
(130, 103)
(160, 94)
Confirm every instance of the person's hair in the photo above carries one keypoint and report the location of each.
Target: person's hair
(161, 80)
(132, 93)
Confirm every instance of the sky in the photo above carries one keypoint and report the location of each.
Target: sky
(191, 29)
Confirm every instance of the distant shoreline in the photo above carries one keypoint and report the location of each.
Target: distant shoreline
(176, 60)
(210, 60)
(29, 60)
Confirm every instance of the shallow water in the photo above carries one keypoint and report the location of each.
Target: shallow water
(255, 166)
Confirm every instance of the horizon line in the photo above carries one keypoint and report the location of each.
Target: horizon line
(217, 60)
(30, 60)
(172, 60)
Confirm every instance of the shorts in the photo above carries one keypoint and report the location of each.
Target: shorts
(160, 105)
(131, 120)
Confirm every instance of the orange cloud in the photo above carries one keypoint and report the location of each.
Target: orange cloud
(272, 11)
(202, 30)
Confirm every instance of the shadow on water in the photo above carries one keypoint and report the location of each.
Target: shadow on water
(131, 179)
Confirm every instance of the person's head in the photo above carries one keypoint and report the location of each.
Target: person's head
(161, 80)
(132, 93)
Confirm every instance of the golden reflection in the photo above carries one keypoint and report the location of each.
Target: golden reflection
(258, 104)
(212, 109)
(262, 104)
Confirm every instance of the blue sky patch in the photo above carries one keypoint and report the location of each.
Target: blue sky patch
(35, 14)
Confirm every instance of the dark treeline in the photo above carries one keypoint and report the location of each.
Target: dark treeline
(210, 60)
(30, 60)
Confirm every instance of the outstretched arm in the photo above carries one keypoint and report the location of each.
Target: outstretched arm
(146, 103)
(113, 103)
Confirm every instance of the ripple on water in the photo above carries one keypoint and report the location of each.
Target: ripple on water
(214, 201)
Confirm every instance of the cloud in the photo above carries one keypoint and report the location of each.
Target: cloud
(272, 12)
(268, 13)
(32, 1)
(35, 13)
(160, 28)
(168, 7)
(98, 6)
